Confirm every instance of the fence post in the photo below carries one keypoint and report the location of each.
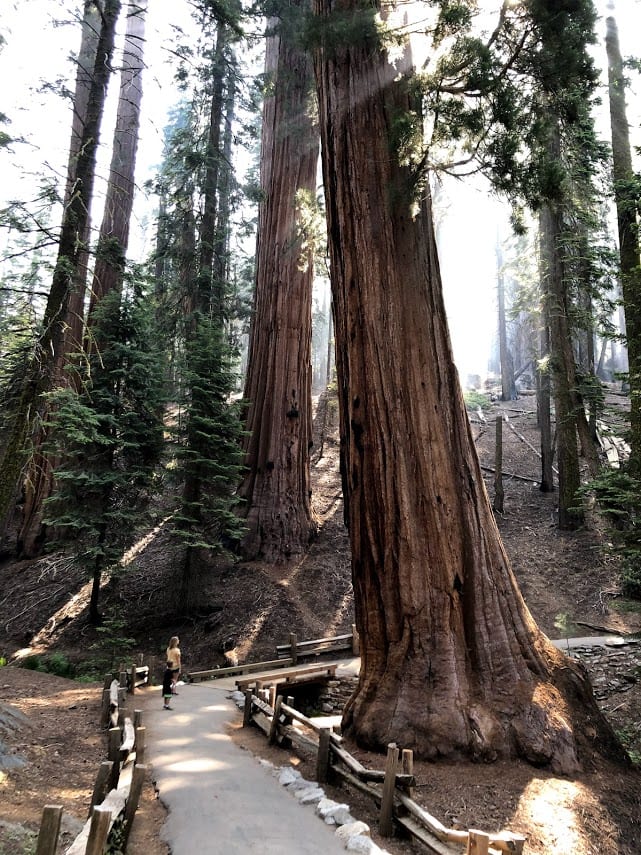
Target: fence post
(356, 642)
(98, 831)
(387, 802)
(135, 789)
(478, 842)
(132, 688)
(100, 787)
(273, 730)
(293, 643)
(322, 763)
(114, 756)
(137, 718)
(247, 709)
(407, 762)
(141, 738)
(49, 830)
(272, 696)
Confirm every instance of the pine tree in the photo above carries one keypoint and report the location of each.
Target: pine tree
(109, 436)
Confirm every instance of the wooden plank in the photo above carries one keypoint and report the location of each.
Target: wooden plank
(250, 668)
(131, 806)
(282, 675)
(352, 781)
(141, 744)
(128, 738)
(295, 735)
(374, 775)
(432, 844)
(49, 830)
(329, 640)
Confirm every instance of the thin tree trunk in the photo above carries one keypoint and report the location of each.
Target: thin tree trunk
(626, 204)
(451, 660)
(570, 513)
(277, 489)
(41, 374)
(543, 396)
(113, 239)
(508, 388)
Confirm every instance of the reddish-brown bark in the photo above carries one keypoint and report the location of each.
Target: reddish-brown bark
(452, 661)
(276, 490)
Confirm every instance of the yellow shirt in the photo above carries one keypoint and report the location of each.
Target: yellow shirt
(173, 658)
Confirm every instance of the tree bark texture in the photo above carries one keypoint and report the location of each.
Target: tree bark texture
(86, 61)
(276, 489)
(452, 661)
(113, 239)
(42, 372)
(628, 229)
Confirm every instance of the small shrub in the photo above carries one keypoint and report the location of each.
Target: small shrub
(32, 663)
(58, 664)
(474, 400)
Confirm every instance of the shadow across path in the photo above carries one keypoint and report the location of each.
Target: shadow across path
(219, 797)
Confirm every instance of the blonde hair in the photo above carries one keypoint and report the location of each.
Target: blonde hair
(174, 641)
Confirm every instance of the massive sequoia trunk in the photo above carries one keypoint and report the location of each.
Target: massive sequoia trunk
(276, 489)
(452, 661)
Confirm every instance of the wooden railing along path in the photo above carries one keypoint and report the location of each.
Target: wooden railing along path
(120, 778)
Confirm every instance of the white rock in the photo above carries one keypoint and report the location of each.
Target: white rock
(360, 843)
(342, 816)
(266, 763)
(287, 775)
(300, 784)
(237, 696)
(352, 829)
(313, 796)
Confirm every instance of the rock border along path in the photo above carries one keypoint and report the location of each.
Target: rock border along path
(223, 799)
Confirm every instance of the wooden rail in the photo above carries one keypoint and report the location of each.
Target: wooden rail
(391, 788)
(119, 781)
(295, 649)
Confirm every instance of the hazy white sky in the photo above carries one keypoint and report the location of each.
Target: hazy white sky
(39, 49)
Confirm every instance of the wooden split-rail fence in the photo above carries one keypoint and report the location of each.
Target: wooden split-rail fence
(391, 789)
(120, 778)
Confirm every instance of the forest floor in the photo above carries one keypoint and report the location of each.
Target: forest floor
(569, 580)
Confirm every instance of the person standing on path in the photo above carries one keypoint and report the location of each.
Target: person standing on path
(174, 661)
(167, 682)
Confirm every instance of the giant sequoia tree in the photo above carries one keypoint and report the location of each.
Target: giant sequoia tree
(276, 489)
(452, 661)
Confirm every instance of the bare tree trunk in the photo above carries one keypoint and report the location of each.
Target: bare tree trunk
(114, 231)
(86, 61)
(42, 372)
(277, 487)
(112, 246)
(452, 661)
(626, 204)
(543, 395)
(508, 388)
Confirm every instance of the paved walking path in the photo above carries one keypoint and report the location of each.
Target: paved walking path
(220, 798)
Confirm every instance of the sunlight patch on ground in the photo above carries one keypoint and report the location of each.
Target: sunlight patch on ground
(201, 765)
(552, 807)
(144, 542)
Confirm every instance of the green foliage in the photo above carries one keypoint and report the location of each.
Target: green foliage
(210, 454)
(114, 646)
(618, 493)
(108, 435)
(630, 738)
(474, 400)
(54, 663)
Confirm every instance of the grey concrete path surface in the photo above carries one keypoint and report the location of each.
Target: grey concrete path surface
(220, 798)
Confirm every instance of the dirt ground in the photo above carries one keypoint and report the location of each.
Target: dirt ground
(569, 581)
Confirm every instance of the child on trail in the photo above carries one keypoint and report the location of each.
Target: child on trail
(174, 661)
(167, 682)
